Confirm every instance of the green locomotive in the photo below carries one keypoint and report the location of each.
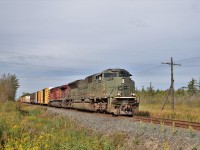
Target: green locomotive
(110, 91)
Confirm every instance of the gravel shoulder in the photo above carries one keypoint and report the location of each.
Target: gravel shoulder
(138, 135)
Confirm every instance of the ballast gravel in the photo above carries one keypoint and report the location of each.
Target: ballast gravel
(139, 135)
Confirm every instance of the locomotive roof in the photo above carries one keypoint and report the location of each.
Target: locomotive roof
(115, 70)
(109, 70)
(74, 82)
(61, 86)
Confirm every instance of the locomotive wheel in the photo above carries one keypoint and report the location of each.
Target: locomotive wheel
(114, 115)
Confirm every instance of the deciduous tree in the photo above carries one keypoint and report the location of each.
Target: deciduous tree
(8, 87)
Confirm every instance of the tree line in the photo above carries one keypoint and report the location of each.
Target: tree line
(191, 89)
(189, 94)
(8, 87)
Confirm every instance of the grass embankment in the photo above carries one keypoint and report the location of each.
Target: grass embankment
(23, 127)
(186, 107)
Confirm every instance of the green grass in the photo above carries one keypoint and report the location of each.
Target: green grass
(32, 128)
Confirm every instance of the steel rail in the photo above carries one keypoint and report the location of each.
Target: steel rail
(169, 122)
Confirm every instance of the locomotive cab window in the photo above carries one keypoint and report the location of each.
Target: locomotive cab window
(99, 77)
(110, 75)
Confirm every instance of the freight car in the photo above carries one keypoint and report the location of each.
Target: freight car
(110, 91)
(25, 99)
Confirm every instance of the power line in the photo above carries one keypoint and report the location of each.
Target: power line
(188, 60)
(64, 58)
(22, 55)
(149, 71)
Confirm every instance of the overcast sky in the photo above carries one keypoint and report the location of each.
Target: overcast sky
(47, 43)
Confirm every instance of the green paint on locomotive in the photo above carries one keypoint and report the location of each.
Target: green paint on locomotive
(110, 83)
(110, 91)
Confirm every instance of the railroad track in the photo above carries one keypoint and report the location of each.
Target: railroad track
(169, 122)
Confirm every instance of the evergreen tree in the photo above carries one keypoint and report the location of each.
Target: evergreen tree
(192, 86)
(143, 90)
(150, 90)
(26, 94)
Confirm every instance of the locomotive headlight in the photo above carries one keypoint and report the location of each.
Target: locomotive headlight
(133, 94)
(123, 81)
(118, 94)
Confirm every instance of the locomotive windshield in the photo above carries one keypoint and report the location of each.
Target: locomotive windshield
(124, 74)
(110, 75)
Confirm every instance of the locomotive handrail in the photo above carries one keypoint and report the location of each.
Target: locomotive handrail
(111, 91)
(138, 98)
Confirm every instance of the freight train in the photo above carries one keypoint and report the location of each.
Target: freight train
(110, 91)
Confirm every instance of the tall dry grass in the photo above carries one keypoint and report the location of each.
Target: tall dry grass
(187, 107)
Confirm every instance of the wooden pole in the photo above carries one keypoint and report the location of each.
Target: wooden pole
(172, 64)
(172, 83)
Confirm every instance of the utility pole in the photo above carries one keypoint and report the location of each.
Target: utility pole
(150, 86)
(172, 64)
(150, 89)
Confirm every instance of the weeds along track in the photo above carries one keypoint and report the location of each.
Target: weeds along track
(162, 121)
(169, 122)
